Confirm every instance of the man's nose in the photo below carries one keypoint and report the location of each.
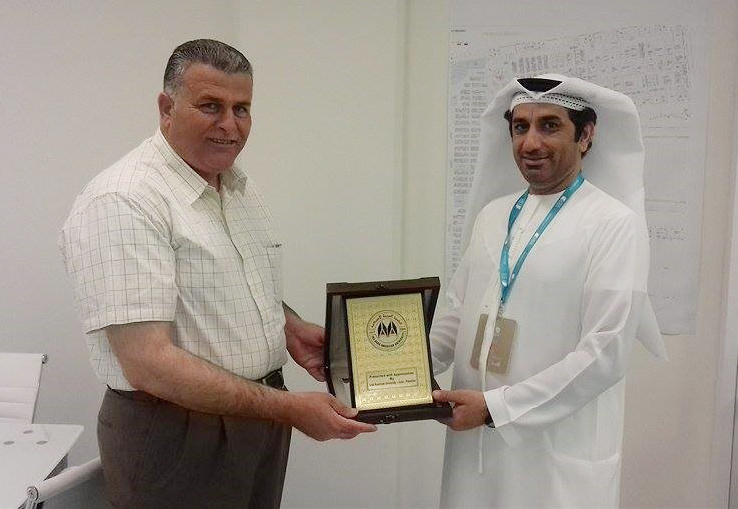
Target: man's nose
(531, 140)
(227, 121)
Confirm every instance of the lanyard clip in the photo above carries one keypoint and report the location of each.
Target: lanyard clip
(499, 309)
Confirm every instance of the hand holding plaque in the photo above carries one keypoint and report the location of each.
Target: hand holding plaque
(377, 354)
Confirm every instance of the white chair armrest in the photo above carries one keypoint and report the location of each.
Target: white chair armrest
(67, 479)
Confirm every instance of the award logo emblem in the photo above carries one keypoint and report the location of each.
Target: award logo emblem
(387, 330)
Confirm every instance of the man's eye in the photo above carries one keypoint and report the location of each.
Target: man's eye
(209, 108)
(241, 111)
(551, 125)
(519, 128)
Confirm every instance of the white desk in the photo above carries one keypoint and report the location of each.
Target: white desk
(28, 454)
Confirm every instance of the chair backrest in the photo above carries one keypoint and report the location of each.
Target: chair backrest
(20, 376)
(78, 486)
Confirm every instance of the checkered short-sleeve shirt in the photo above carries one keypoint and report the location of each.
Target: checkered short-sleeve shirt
(149, 240)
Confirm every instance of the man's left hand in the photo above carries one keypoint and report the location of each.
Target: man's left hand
(305, 343)
(470, 408)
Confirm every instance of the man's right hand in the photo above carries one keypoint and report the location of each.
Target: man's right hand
(323, 417)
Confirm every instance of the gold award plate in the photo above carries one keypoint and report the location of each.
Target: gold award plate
(389, 354)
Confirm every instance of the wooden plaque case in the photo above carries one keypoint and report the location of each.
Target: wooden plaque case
(339, 342)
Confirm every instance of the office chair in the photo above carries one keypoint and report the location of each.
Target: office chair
(20, 376)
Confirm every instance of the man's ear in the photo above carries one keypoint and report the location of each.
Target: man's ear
(165, 103)
(585, 139)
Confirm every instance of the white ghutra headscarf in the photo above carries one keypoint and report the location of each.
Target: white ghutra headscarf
(614, 163)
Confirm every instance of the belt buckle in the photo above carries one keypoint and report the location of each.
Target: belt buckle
(274, 379)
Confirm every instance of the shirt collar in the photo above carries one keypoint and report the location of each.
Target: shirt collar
(234, 179)
(188, 179)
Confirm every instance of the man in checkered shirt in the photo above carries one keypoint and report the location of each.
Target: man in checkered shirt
(177, 279)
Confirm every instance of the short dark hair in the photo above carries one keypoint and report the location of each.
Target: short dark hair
(578, 118)
(204, 51)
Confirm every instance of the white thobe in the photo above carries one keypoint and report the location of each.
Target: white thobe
(558, 410)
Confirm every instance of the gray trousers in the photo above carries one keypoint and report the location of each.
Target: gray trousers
(157, 454)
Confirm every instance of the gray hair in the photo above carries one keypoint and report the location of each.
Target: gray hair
(204, 51)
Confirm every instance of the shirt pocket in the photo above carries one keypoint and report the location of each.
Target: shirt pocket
(274, 257)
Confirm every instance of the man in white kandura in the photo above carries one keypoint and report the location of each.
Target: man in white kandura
(547, 300)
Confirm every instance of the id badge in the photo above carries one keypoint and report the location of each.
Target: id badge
(500, 351)
(481, 326)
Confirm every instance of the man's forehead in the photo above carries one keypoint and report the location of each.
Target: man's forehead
(203, 79)
(539, 110)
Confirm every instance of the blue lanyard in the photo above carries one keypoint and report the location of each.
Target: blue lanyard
(506, 278)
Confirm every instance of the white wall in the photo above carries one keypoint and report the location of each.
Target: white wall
(725, 400)
(349, 147)
(669, 449)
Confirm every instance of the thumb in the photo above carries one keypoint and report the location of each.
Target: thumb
(443, 396)
(343, 410)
